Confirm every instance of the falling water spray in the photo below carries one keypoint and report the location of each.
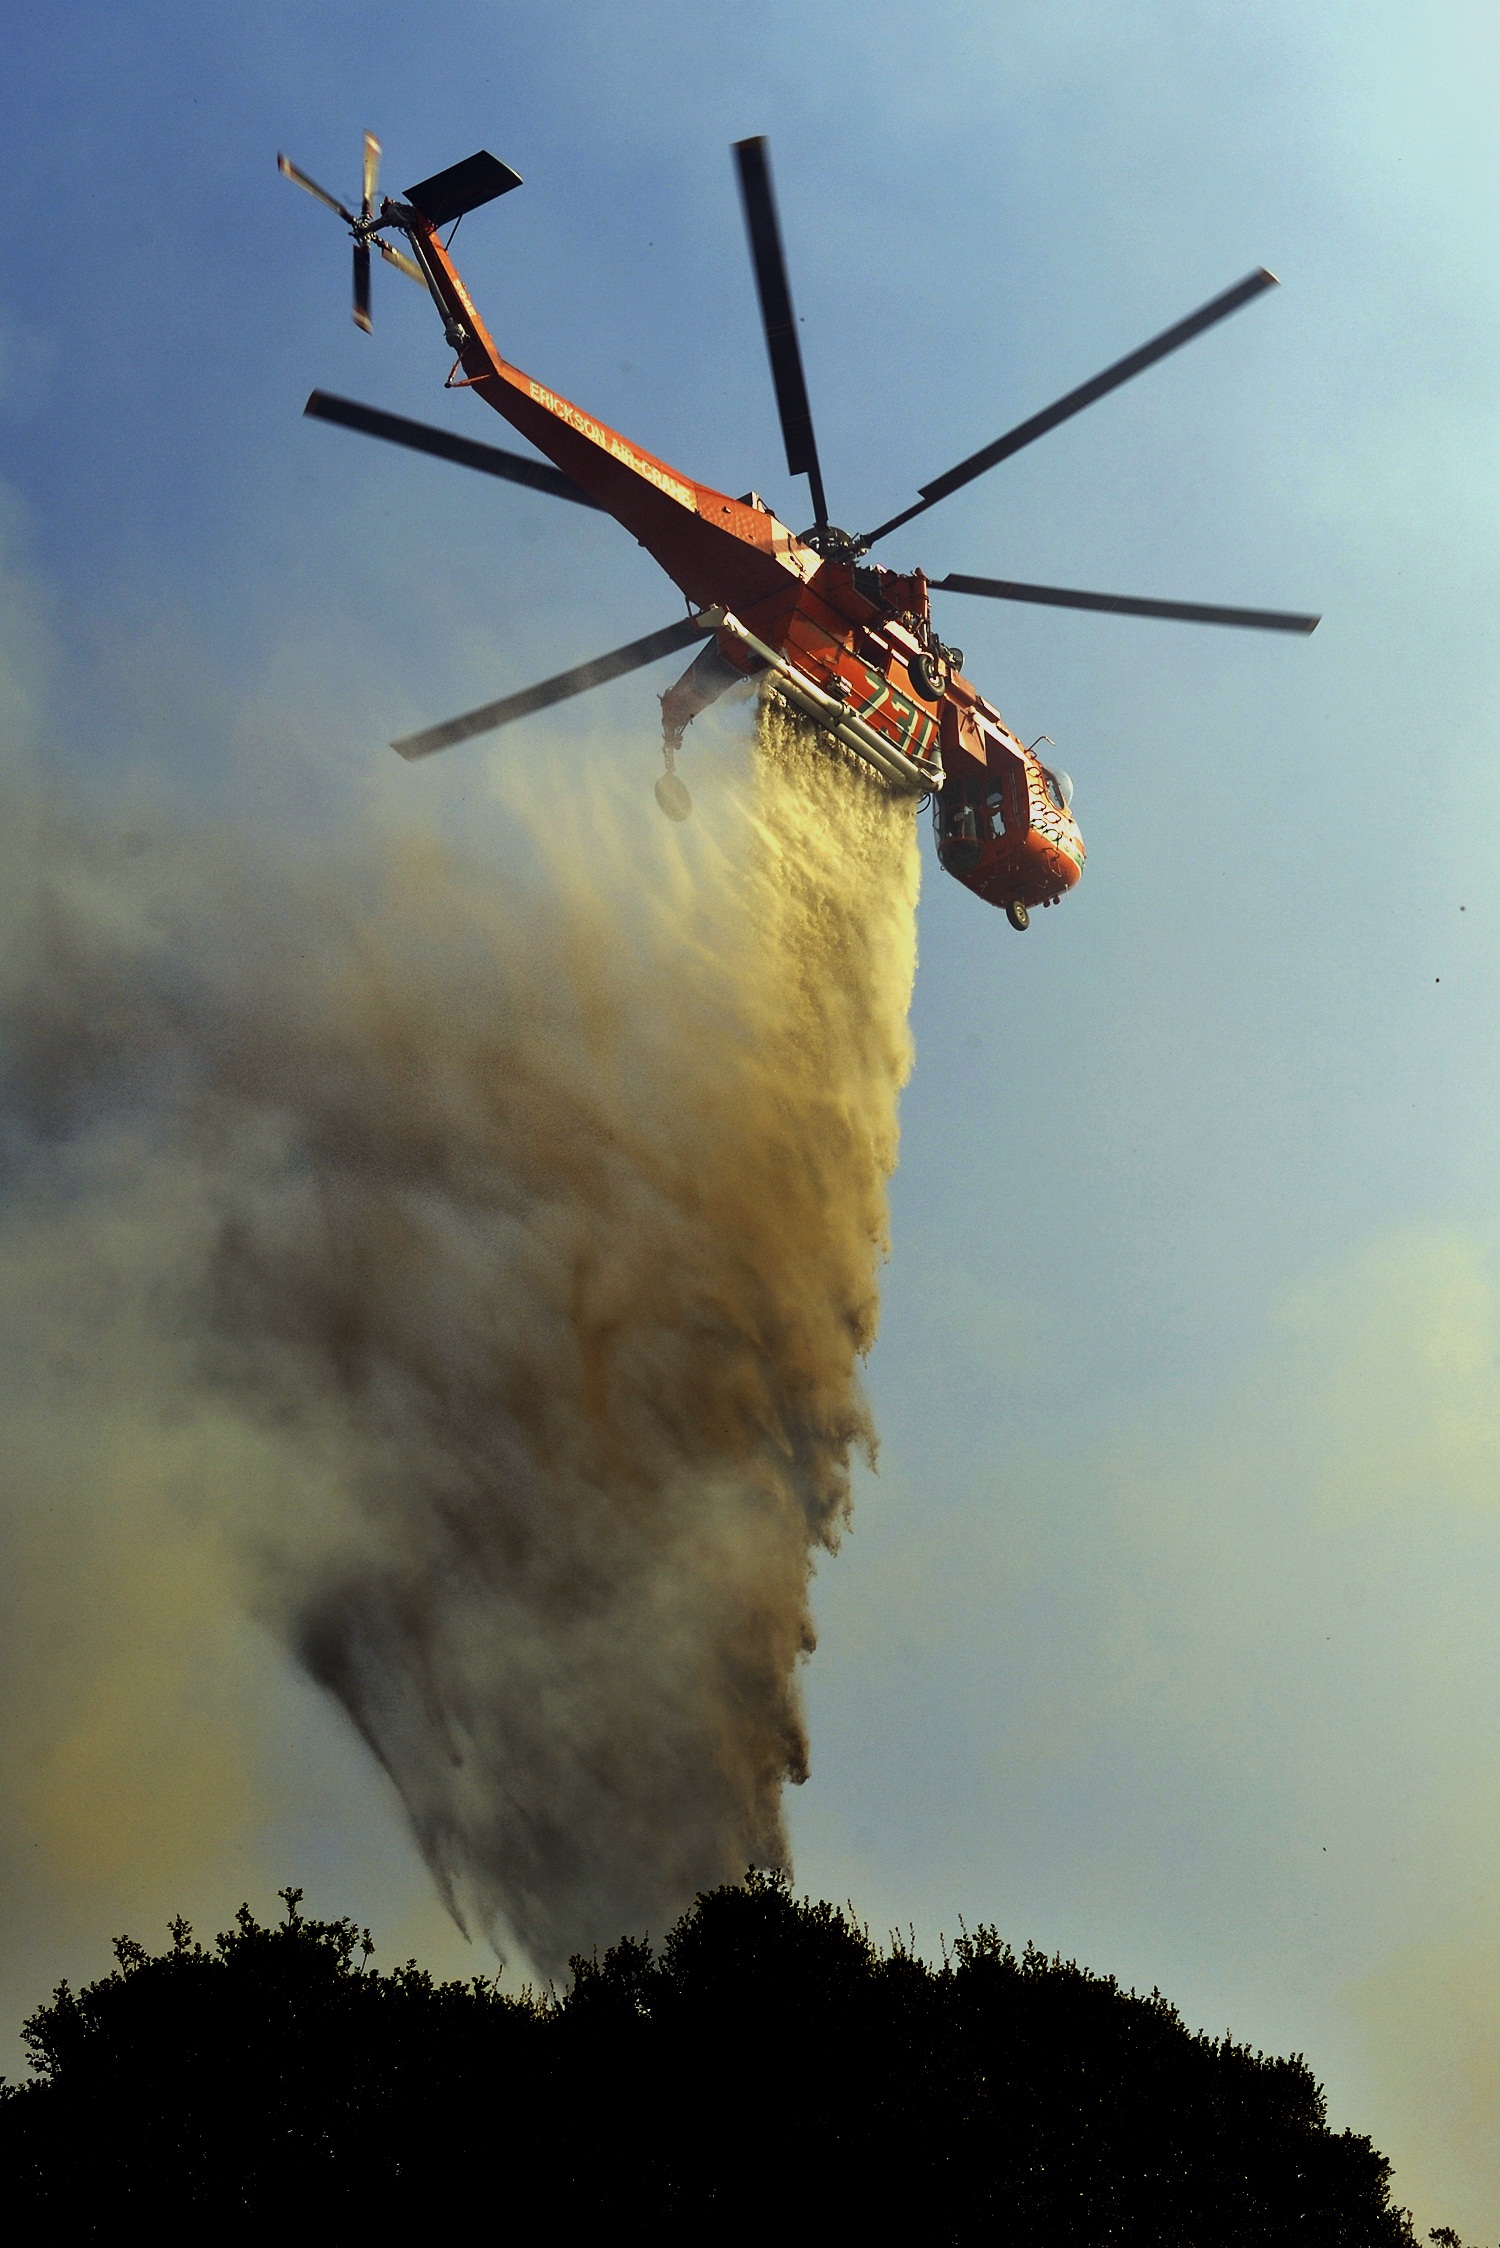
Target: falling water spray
(513, 1259)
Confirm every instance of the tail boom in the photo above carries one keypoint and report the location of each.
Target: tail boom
(717, 549)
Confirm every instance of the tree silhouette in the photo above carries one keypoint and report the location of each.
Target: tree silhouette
(769, 2067)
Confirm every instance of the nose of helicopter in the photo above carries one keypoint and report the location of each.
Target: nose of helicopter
(1011, 838)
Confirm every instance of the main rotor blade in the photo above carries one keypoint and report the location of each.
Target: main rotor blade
(403, 264)
(493, 460)
(777, 317)
(371, 171)
(549, 691)
(1135, 363)
(289, 171)
(362, 286)
(1125, 605)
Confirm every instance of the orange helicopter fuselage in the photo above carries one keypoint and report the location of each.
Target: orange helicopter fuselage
(860, 634)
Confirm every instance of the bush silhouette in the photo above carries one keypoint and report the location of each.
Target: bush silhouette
(768, 2067)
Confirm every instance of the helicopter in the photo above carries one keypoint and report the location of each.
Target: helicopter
(850, 644)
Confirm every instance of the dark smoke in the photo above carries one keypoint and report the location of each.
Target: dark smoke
(533, 1242)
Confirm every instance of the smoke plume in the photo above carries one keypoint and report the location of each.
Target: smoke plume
(494, 1270)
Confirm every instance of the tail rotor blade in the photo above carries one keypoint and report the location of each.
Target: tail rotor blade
(289, 171)
(362, 286)
(404, 264)
(372, 172)
(778, 318)
(549, 691)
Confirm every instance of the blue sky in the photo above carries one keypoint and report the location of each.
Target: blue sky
(1165, 1633)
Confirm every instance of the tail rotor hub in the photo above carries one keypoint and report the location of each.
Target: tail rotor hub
(364, 227)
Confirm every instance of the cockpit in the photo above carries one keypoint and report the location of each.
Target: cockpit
(1006, 830)
(967, 815)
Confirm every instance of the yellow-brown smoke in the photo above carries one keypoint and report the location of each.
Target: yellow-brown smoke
(494, 1273)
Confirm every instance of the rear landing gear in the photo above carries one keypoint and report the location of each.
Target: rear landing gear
(1016, 915)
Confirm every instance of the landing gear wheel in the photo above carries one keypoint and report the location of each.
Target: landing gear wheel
(1017, 916)
(929, 675)
(672, 796)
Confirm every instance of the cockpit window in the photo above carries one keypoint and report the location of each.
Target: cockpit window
(1059, 789)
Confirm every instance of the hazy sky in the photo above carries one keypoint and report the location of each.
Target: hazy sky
(1165, 1634)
